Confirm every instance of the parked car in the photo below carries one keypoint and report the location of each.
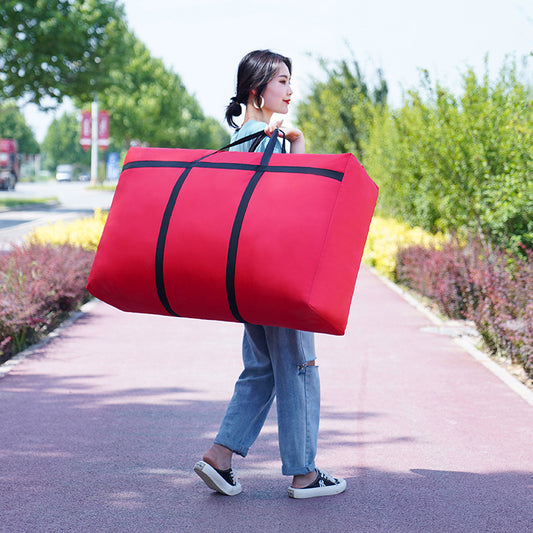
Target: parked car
(64, 172)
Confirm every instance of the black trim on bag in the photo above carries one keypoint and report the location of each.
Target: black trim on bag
(326, 172)
(161, 241)
(231, 264)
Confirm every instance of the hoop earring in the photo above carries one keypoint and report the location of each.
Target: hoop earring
(254, 103)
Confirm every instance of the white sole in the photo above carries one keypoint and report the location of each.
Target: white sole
(215, 481)
(301, 494)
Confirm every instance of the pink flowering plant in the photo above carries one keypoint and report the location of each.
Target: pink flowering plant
(40, 285)
(489, 286)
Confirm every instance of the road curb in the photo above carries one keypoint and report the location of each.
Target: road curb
(464, 342)
(10, 364)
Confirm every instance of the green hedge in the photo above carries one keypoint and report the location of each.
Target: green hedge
(460, 164)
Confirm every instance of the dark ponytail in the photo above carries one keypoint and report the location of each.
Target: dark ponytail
(234, 109)
(255, 70)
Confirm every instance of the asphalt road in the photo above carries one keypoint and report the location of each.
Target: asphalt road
(75, 200)
(102, 426)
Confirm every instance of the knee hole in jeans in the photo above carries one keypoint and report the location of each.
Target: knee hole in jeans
(307, 363)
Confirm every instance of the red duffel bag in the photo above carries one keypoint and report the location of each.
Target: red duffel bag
(263, 238)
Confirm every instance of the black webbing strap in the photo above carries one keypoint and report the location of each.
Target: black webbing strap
(237, 224)
(261, 136)
(257, 142)
(167, 215)
(254, 136)
(161, 241)
(257, 138)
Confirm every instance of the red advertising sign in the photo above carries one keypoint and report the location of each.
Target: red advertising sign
(103, 129)
(85, 137)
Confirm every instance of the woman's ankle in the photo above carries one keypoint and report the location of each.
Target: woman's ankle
(302, 481)
(218, 457)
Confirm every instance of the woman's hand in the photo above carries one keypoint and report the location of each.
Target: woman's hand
(293, 135)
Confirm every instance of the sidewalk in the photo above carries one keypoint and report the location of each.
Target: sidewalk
(101, 428)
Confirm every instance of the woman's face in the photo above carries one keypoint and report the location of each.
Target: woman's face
(277, 94)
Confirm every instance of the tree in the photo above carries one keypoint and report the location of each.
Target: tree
(62, 143)
(59, 48)
(150, 104)
(338, 113)
(13, 126)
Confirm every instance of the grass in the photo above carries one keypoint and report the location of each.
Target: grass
(101, 187)
(10, 203)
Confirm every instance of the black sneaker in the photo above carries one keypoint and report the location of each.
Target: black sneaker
(323, 485)
(223, 481)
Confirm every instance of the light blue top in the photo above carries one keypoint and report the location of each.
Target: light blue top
(252, 126)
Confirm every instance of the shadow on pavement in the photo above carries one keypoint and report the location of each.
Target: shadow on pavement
(76, 457)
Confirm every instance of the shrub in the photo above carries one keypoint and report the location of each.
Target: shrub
(438, 274)
(39, 285)
(84, 233)
(491, 287)
(459, 163)
(502, 308)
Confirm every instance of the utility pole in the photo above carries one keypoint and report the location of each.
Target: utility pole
(94, 141)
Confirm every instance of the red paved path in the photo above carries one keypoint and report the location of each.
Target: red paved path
(101, 428)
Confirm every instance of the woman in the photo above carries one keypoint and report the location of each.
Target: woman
(277, 361)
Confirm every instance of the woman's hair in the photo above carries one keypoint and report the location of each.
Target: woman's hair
(256, 69)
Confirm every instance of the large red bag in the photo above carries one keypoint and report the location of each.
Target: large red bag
(264, 238)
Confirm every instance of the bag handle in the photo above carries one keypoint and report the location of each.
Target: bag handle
(242, 140)
(269, 150)
(257, 138)
(260, 134)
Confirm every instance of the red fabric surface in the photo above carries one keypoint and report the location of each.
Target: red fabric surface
(299, 247)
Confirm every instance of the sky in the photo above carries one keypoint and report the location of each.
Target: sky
(204, 40)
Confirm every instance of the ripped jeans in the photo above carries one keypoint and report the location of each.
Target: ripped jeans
(275, 364)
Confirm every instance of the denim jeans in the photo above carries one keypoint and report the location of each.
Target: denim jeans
(275, 365)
